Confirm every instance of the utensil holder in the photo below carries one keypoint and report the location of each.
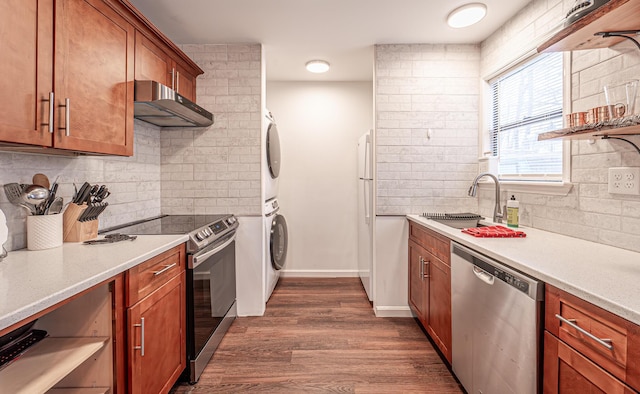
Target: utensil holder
(75, 231)
(44, 231)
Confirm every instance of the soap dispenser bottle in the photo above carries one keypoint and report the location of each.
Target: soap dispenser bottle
(512, 212)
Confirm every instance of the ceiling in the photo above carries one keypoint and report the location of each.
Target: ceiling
(342, 32)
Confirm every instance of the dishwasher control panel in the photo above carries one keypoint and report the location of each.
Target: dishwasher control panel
(511, 279)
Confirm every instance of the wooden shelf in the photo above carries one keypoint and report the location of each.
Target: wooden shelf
(590, 133)
(47, 362)
(616, 15)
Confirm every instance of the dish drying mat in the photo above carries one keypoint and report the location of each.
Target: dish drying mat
(452, 216)
(494, 232)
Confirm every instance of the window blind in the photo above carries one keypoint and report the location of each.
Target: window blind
(526, 102)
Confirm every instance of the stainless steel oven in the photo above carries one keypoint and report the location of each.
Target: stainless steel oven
(211, 301)
(211, 278)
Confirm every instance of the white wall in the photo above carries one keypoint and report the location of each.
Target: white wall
(319, 126)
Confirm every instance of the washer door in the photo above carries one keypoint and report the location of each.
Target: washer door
(278, 242)
(273, 150)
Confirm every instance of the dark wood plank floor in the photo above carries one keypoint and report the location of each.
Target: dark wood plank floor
(321, 336)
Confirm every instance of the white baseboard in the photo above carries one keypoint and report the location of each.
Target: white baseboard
(393, 311)
(319, 274)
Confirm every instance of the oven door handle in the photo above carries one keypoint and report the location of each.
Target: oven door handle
(199, 258)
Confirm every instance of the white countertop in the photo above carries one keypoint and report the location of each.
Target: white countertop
(606, 276)
(32, 281)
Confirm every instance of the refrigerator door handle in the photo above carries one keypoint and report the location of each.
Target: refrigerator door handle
(367, 216)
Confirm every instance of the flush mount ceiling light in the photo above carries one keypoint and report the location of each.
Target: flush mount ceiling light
(317, 66)
(467, 15)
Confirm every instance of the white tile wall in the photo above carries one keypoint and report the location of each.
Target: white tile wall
(422, 87)
(589, 211)
(134, 181)
(216, 170)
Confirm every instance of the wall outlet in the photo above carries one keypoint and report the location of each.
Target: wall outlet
(624, 180)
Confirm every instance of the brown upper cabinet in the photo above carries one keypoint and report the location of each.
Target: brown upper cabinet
(616, 15)
(70, 74)
(155, 64)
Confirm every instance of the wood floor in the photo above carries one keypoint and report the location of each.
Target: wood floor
(321, 336)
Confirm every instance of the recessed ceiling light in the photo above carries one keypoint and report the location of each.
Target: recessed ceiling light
(318, 66)
(467, 15)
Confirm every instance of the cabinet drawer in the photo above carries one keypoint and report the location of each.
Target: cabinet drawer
(148, 276)
(567, 371)
(433, 242)
(607, 339)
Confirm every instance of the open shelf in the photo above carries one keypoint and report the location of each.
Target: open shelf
(590, 133)
(616, 15)
(47, 362)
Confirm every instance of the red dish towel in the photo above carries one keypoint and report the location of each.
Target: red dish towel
(494, 232)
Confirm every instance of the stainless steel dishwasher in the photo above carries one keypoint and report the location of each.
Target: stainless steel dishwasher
(496, 325)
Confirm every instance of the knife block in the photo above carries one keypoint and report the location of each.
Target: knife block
(75, 231)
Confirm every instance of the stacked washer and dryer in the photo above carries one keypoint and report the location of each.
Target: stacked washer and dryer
(276, 236)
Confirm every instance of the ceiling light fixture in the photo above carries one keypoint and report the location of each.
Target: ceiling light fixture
(467, 15)
(317, 66)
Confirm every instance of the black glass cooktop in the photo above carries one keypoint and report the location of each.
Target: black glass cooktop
(165, 225)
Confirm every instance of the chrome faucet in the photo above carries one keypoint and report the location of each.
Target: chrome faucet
(497, 211)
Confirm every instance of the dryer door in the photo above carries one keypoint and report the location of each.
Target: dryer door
(278, 242)
(273, 150)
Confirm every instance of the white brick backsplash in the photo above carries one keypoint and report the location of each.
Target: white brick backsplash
(589, 211)
(440, 94)
(224, 159)
(134, 182)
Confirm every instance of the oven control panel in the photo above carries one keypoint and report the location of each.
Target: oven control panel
(211, 232)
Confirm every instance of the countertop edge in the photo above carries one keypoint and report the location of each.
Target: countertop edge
(38, 305)
(604, 301)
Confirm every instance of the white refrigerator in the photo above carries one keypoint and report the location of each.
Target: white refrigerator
(366, 215)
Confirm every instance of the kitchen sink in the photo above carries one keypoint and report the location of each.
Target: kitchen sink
(456, 220)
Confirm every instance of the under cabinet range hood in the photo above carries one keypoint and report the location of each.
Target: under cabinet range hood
(160, 105)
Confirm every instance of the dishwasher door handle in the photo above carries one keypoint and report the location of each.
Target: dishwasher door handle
(483, 276)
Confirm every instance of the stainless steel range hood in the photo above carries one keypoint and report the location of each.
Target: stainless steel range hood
(160, 105)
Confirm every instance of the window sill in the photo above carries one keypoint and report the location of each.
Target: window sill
(548, 188)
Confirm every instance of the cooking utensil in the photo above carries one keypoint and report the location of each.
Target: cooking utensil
(35, 195)
(41, 180)
(13, 191)
(55, 207)
(111, 238)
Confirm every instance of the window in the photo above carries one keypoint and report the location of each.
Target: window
(525, 102)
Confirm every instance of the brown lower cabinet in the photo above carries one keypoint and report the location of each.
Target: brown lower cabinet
(588, 349)
(156, 319)
(430, 284)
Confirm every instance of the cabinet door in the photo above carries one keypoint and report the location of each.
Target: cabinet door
(156, 326)
(567, 371)
(26, 44)
(440, 305)
(94, 68)
(185, 83)
(418, 282)
(152, 63)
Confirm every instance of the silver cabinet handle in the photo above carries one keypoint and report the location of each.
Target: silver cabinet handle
(165, 269)
(51, 109)
(421, 261)
(67, 113)
(177, 81)
(173, 78)
(607, 343)
(141, 347)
